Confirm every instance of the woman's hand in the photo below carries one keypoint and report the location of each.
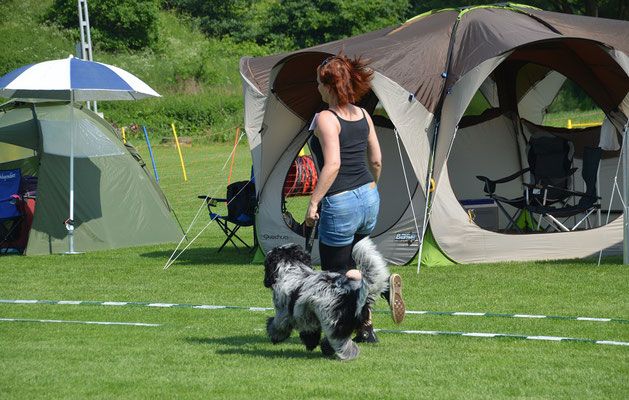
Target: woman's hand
(311, 214)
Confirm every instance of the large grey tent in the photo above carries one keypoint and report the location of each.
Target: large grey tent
(118, 203)
(427, 71)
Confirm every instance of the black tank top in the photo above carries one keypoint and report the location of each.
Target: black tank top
(353, 172)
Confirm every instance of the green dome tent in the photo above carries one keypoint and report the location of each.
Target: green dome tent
(118, 203)
(426, 73)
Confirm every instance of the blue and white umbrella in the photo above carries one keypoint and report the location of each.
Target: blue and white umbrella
(73, 79)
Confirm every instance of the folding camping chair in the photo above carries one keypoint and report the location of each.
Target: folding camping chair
(550, 160)
(241, 206)
(588, 200)
(11, 210)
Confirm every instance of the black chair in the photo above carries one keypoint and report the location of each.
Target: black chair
(550, 160)
(11, 210)
(588, 201)
(241, 208)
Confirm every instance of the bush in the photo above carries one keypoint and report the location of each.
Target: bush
(114, 24)
(27, 41)
(291, 24)
(200, 115)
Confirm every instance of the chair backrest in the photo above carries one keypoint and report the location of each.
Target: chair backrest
(9, 186)
(550, 159)
(241, 201)
(589, 172)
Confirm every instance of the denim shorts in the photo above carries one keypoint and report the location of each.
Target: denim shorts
(348, 213)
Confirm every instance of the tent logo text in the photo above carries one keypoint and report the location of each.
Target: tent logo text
(275, 237)
(10, 175)
(406, 236)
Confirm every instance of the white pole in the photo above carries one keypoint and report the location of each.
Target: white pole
(70, 223)
(625, 193)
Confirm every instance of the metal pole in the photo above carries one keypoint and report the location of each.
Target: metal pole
(70, 221)
(86, 39)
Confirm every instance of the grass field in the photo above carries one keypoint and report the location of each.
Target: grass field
(222, 353)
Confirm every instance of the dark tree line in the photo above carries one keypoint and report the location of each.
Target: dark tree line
(280, 25)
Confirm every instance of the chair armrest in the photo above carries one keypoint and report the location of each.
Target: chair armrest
(212, 201)
(490, 185)
(571, 192)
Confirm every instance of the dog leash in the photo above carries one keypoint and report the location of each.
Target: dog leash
(311, 234)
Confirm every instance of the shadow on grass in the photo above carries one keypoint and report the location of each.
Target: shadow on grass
(204, 255)
(591, 261)
(257, 346)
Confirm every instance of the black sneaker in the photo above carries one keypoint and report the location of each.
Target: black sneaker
(366, 335)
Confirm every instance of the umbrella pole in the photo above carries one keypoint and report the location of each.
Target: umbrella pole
(70, 221)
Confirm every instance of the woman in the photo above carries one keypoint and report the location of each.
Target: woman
(346, 189)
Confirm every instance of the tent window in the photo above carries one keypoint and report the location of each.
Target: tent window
(478, 105)
(379, 110)
(89, 140)
(11, 152)
(571, 101)
(299, 183)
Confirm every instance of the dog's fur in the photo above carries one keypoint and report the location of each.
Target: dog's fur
(314, 301)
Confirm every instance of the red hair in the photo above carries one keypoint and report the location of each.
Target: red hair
(348, 79)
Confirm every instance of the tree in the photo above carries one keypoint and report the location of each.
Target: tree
(217, 18)
(307, 22)
(114, 24)
(616, 9)
(291, 24)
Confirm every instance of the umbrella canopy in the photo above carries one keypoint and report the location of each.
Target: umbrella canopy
(85, 80)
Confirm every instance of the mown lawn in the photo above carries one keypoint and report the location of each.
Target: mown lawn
(222, 353)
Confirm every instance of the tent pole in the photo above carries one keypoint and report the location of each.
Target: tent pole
(625, 192)
(437, 119)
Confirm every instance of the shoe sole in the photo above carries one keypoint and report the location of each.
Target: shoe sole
(398, 308)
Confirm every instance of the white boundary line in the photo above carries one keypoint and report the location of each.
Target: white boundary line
(58, 321)
(506, 335)
(221, 307)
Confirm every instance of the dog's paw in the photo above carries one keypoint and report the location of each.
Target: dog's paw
(310, 339)
(326, 348)
(276, 335)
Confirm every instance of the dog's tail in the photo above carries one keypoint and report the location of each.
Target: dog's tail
(374, 271)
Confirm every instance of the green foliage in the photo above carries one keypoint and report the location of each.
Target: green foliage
(25, 40)
(616, 9)
(216, 18)
(199, 115)
(198, 78)
(292, 24)
(571, 97)
(115, 24)
(307, 23)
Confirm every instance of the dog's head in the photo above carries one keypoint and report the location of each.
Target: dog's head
(290, 254)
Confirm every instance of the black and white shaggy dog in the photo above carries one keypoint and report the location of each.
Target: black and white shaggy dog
(314, 301)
